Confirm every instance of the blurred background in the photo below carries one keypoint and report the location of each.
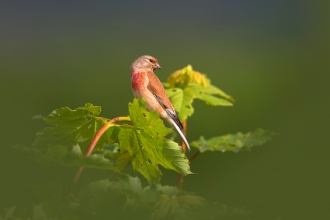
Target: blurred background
(271, 56)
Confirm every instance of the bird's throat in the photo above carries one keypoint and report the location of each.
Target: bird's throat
(138, 80)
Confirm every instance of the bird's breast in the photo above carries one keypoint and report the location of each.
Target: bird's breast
(139, 81)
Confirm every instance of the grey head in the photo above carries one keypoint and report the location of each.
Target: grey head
(146, 62)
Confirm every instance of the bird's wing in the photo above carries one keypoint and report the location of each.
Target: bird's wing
(157, 89)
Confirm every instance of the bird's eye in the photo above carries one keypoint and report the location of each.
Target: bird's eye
(151, 60)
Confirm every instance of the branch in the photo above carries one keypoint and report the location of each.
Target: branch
(194, 156)
(180, 176)
(89, 151)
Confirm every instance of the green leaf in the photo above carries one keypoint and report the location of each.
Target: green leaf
(146, 144)
(64, 156)
(145, 120)
(233, 142)
(123, 161)
(178, 204)
(143, 160)
(79, 126)
(122, 199)
(212, 90)
(65, 115)
(158, 201)
(143, 144)
(182, 99)
(174, 158)
(185, 76)
(132, 187)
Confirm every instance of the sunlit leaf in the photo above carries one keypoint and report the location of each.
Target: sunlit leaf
(174, 158)
(202, 92)
(185, 85)
(146, 144)
(182, 99)
(181, 78)
(79, 126)
(65, 115)
(233, 142)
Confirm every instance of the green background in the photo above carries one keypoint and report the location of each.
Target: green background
(271, 56)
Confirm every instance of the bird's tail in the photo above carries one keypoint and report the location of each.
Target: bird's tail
(180, 133)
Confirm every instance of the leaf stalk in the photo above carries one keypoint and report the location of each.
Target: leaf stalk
(89, 151)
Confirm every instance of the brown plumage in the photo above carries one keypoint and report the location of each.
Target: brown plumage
(147, 85)
(157, 89)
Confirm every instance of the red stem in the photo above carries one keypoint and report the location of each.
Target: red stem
(184, 131)
(99, 135)
(89, 151)
(194, 156)
(94, 142)
(180, 176)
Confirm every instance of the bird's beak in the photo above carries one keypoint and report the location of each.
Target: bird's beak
(157, 66)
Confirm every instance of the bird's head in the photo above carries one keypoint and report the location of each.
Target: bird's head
(146, 62)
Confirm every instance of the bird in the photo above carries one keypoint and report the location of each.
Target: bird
(145, 84)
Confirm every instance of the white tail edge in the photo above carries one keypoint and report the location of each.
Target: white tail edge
(180, 132)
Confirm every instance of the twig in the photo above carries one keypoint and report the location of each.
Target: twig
(194, 156)
(184, 131)
(88, 153)
(180, 176)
